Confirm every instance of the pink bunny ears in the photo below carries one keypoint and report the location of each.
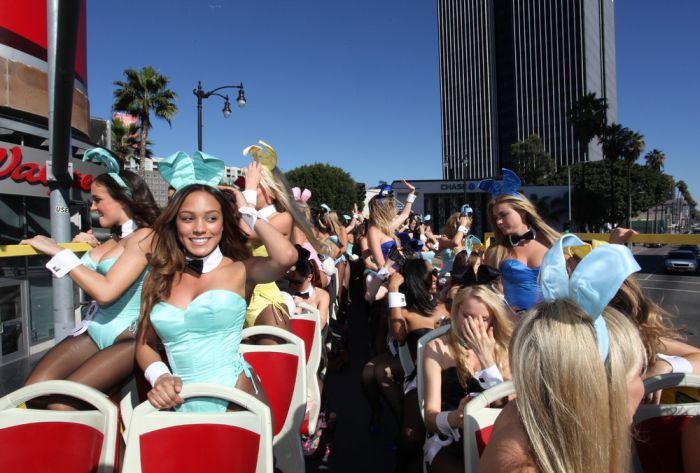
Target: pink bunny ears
(300, 195)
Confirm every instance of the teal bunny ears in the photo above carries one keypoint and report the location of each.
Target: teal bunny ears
(180, 170)
(592, 285)
(102, 156)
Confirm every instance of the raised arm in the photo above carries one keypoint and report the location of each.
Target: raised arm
(400, 218)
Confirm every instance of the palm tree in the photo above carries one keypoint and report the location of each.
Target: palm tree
(655, 159)
(588, 117)
(145, 91)
(613, 141)
(634, 147)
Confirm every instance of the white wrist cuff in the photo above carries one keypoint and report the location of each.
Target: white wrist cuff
(489, 377)
(383, 274)
(154, 371)
(678, 363)
(444, 426)
(411, 198)
(463, 229)
(250, 216)
(250, 196)
(63, 263)
(396, 299)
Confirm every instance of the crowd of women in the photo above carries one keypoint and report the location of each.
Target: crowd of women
(568, 324)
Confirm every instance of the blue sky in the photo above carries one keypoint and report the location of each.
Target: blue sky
(356, 84)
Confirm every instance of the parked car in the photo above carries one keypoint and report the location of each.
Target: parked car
(695, 249)
(681, 261)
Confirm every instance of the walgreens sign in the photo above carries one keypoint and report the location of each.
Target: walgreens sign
(23, 172)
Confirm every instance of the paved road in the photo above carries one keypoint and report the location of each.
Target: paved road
(679, 294)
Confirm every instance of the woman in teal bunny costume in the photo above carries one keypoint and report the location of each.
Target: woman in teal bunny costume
(101, 351)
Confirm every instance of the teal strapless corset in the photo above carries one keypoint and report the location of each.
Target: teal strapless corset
(202, 341)
(110, 320)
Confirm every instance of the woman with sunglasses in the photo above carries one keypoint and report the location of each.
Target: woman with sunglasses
(303, 280)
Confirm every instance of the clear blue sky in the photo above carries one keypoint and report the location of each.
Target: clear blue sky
(356, 84)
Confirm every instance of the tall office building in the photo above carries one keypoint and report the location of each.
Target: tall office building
(513, 68)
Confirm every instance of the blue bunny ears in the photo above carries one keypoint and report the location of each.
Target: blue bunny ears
(180, 170)
(509, 186)
(102, 156)
(592, 285)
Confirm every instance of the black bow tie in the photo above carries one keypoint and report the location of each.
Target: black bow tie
(528, 235)
(196, 265)
(303, 295)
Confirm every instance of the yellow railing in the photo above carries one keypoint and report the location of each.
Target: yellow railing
(665, 238)
(26, 250)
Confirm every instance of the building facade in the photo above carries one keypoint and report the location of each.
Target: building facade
(513, 68)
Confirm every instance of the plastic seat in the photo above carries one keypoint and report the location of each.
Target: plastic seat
(659, 427)
(478, 423)
(405, 359)
(307, 326)
(58, 441)
(166, 441)
(282, 372)
(422, 342)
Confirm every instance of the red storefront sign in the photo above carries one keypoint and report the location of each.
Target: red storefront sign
(12, 167)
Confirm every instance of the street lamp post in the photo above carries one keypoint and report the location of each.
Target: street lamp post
(201, 94)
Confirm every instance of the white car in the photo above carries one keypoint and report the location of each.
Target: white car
(681, 261)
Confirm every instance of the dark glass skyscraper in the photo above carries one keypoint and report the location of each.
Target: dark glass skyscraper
(513, 68)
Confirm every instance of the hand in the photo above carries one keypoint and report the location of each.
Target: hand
(411, 187)
(165, 393)
(237, 195)
(456, 417)
(43, 244)
(86, 237)
(480, 338)
(395, 282)
(621, 235)
(463, 220)
(252, 176)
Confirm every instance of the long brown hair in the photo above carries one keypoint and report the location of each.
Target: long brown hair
(651, 320)
(167, 259)
(137, 197)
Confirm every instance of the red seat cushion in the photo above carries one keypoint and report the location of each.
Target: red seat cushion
(277, 372)
(658, 442)
(58, 447)
(305, 330)
(200, 447)
(482, 438)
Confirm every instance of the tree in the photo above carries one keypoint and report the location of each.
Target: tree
(588, 117)
(328, 185)
(143, 92)
(531, 162)
(613, 142)
(125, 141)
(655, 159)
(634, 147)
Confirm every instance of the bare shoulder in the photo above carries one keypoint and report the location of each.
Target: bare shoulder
(141, 239)
(507, 449)
(438, 349)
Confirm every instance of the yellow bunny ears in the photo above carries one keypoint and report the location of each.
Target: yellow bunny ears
(266, 155)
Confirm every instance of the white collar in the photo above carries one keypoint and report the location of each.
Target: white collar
(265, 212)
(211, 261)
(309, 290)
(128, 227)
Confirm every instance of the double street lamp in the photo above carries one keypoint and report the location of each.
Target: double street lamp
(201, 94)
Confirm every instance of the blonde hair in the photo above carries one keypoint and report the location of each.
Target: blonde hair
(381, 212)
(573, 407)
(330, 220)
(502, 329)
(650, 319)
(452, 224)
(502, 248)
(275, 185)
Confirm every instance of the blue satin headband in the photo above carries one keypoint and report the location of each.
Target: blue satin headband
(509, 186)
(592, 285)
(179, 170)
(102, 156)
